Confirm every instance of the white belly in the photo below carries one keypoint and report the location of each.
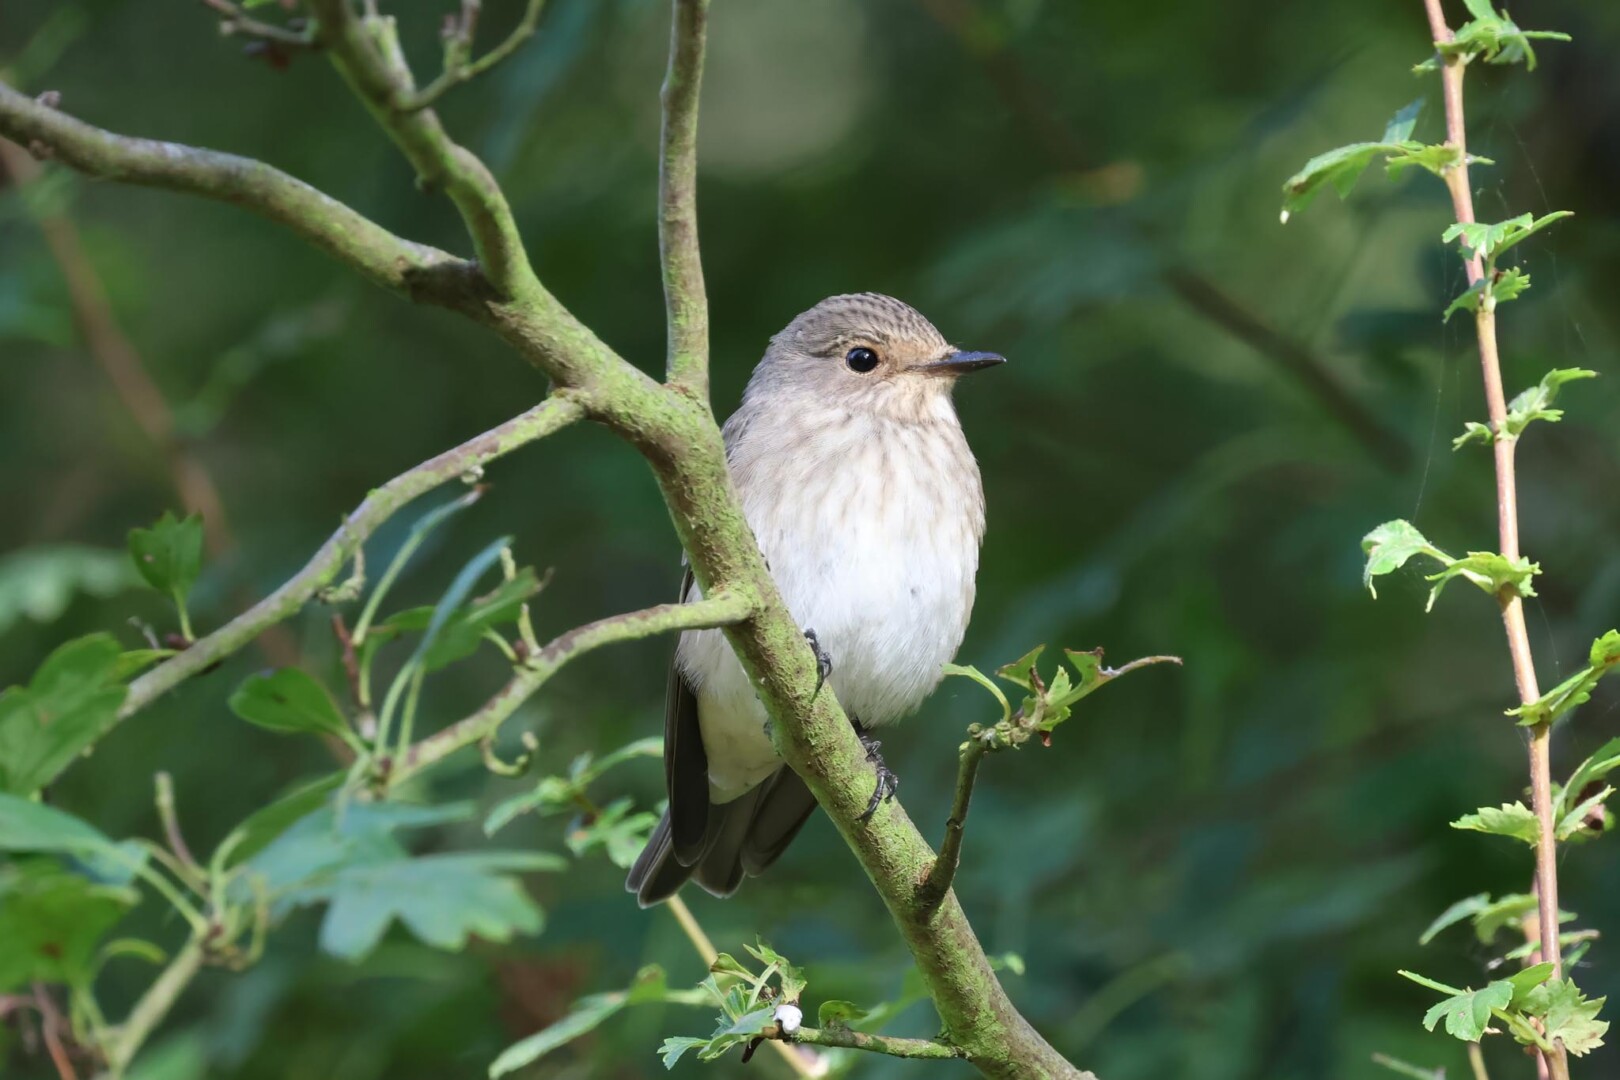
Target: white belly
(878, 557)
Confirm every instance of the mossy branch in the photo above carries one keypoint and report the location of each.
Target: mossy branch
(550, 415)
(419, 272)
(673, 428)
(686, 302)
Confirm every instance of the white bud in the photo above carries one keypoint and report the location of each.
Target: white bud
(790, 1017)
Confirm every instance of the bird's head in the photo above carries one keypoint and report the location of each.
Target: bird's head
(870, 353)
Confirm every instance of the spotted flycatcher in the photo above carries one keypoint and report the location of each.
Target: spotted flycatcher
(866, 503)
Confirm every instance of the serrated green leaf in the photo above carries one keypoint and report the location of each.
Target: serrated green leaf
(72, 700)
(789, 979)
(1514, 820)
(1468, 1014)
(51, 922)
(1604, 658)
(1568, 1015)
(1021, 672)
(1473, 432)
(1468, 300)
(1494, 38)
(1508, 286)
(1536, 403)
(1390, 546)
(261, 828)
(619, 833)
(288, 702)
(1491, 572)
(1435, 158)
(169, 554)
(1503, 913)
(1490, 240)
(676, 1046)
(1575, 823)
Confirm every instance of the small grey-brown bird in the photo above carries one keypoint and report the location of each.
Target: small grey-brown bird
(867, 505)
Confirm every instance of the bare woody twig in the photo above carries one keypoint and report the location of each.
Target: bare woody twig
(233, 20)
(549, 416)
(943, 871)
(1512, 605)
(686, 301)
(459, 67)
(848, 1039)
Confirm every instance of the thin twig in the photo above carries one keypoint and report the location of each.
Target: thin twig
(686, 303)
(1476, 1062)
(154, 1005)
(192, 873)
(554, 413)
(723, 608)
(236, 21)
(51, 1026)
(1512, 605)
(458, 69)
(943, 872)
(366, 51)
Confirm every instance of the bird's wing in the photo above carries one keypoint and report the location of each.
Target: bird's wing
(686, 763)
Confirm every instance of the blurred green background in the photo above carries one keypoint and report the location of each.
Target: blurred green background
(1214, 872)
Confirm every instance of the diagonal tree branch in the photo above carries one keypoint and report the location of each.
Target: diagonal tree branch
(420, 272)
(366, 52)
(686, 301)
(549, 416)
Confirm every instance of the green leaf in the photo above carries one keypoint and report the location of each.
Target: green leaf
(169, 554)
(348, 859)
(51, 922)
(1512, 820)
(1503, 913)
(28, 826)
(1390, 546)
(1490, 241)
(985, 681)
(1588, 772)
(1495, 38)
(1524, 982)
(1456, 913)
(1536, 403)
(1490, 571)
(39, 583)
(839, 1014)
(788, 977)
(449, 604)
(288, 702)
(1468, 300)
(1435, 158)
(1576, 823)
(133, 661)
(619, 833)
(557, 794)
(72, 700)
(1604, 658)
(676, 1046)
(1469, 1013)
(586, 1015)
(1342, 167)
(1568, 1015)
(1021, 672)
(260, 828)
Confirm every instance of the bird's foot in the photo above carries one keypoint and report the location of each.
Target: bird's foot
(887, 782)
(824, 664)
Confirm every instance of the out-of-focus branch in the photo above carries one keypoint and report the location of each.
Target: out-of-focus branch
(154, 1005)
(725, 607)
(420, 272)
(459, 67)
(112, 351)
(234, 20)
(1452, 69)
(366, 51)
(1028, 102)
(549, 416)
(686, 302)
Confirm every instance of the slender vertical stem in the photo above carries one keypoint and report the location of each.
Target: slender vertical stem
(154, 1005)
(1518, 639)
(686, 302)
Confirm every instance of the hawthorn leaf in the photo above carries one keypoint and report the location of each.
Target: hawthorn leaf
(168, 555)
(51, 922)
(1514, 820)
(1468, 1014)
(290, 702)
(1390, 546)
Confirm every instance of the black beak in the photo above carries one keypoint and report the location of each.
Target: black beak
(962, 362)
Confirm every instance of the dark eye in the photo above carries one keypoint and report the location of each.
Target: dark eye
(861, 359)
